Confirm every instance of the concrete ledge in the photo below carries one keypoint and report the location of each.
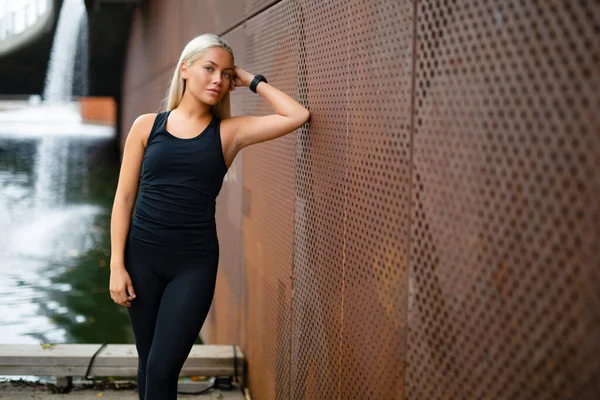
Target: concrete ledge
(113, 360)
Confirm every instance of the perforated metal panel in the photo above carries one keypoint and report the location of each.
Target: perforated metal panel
(228, 318)
(269, 185)
(321, 186)
(376, 214)
(226, 322)
(256, 6)
(435, 234)
(505, 233)
(352, 204)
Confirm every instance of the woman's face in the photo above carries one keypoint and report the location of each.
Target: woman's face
(210, 76)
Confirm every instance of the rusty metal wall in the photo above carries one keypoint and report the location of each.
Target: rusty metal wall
(504, 253)
(228, 319)
(269, 176)
(434, 232)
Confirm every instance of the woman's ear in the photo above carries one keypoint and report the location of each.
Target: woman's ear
(183, 69)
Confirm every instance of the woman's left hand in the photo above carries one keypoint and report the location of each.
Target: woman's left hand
(241, 78)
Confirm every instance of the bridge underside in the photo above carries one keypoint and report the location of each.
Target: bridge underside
(24, 69)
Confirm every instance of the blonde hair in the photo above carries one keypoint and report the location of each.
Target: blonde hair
(192, 51)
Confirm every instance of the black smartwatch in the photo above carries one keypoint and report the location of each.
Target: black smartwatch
(255, 81)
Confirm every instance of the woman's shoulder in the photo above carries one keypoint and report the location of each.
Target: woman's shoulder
(143, 125)
(145, 119)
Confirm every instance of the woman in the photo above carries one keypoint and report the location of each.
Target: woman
(164, 258)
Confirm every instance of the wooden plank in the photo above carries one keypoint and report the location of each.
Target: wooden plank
(114, 359)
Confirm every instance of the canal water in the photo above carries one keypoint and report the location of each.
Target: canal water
(57, 182)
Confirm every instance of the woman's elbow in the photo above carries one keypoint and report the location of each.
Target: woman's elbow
(298, 122)
(303, 117)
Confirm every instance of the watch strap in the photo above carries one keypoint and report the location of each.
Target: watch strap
(257, 79)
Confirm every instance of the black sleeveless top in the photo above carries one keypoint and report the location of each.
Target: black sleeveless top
(179, 183)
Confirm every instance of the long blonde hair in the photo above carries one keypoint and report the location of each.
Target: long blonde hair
(192, 51)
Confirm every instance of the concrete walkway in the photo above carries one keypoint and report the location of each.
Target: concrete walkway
(19, 391)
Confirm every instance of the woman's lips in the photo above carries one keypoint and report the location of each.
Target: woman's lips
(213, 91)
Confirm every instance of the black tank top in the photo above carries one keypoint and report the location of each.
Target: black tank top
(179, 183)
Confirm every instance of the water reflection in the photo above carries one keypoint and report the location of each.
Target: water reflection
(57, 183)
(51, 171)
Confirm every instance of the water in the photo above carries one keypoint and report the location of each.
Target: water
(71, 31)
(57, 183)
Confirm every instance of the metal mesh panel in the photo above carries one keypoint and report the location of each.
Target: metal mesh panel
(376, 211)
(228, 13)
(503, 230)
(255, 6)
(269, 184)
(199, 18)
(227, 320)
(504, 255)
(352, 203)
(318, 272)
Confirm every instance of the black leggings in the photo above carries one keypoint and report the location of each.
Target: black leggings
(173, 295)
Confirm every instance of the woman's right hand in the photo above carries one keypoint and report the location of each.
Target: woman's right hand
(121, 288)
(241, 78)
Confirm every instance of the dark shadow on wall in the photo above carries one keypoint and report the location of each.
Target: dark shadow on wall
(108, 31)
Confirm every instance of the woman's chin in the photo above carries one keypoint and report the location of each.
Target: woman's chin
(212, 100)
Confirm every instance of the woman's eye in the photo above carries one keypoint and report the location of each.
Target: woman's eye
(208, 68)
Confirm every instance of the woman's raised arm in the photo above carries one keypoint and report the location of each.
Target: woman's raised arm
(290, 115)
